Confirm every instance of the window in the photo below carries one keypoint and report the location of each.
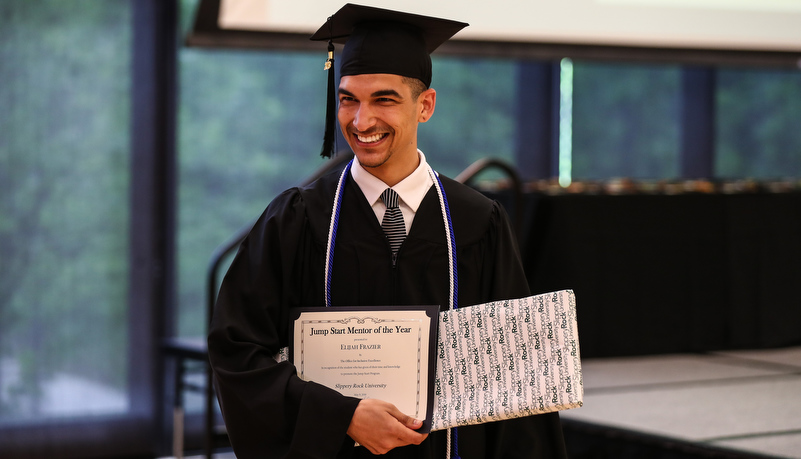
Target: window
(64, 153)
(251, 126)
(757, 124)
(64, 214)
(474, 117)
(625, 121)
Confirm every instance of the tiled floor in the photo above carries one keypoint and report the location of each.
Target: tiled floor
(745, 400)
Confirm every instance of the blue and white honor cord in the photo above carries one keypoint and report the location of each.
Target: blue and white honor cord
(332, 232)
(452, 271)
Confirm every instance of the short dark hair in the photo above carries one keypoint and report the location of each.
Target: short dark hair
(416, 85)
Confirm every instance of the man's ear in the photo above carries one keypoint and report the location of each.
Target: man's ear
(428, 101)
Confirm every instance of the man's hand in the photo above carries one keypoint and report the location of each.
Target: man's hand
(379, 426)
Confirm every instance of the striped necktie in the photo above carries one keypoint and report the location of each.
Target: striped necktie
(393, 224)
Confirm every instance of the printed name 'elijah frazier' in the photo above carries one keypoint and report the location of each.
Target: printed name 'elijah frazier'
(359, 347)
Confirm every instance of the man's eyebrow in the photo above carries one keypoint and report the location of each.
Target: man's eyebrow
(387, 92)
(380, 93)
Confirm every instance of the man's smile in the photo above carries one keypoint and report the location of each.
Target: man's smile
(373, 138)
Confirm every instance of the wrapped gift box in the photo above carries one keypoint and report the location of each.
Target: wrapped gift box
(507, 359)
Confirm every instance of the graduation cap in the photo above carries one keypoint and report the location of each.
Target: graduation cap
(380, 41)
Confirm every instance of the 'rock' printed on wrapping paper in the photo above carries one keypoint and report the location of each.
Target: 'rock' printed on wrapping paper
(507, 359)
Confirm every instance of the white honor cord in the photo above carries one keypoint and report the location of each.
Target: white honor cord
(446, 217)
(448, 444)
(446, 220)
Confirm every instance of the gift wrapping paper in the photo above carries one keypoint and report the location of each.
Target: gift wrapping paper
(507, 359)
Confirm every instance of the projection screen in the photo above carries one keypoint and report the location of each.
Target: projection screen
(771, 28)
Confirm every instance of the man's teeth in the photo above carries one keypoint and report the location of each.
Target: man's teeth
(369, 138)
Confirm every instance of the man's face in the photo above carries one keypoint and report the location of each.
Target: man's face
(379, 117)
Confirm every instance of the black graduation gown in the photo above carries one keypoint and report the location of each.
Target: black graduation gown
(269, 412)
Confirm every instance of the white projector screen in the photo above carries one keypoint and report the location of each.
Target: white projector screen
(738, 25)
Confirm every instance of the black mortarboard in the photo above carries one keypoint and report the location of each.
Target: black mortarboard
(380, 41)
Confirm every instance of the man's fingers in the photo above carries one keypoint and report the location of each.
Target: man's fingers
(413, 423)
(404, 419)
(380, 426)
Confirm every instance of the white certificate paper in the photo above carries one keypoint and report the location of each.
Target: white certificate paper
(385, 353)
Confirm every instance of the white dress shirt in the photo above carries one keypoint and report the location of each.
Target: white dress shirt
(411, 190)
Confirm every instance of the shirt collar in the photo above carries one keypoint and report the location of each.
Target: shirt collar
(411, 190)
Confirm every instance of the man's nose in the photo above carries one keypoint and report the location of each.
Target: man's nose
(364, 118)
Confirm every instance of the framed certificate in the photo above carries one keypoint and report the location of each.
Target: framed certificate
(386, 353)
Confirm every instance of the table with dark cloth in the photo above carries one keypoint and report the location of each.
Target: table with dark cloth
(669, 273)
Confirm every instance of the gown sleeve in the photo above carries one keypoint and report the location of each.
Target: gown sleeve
(268, 410)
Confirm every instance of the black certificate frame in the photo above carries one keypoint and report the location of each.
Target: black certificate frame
(378, 317)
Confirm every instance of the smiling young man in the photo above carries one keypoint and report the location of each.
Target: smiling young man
(383, 96)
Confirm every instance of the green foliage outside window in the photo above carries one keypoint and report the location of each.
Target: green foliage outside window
(64, 177)
(625, 121)
(759, 114)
